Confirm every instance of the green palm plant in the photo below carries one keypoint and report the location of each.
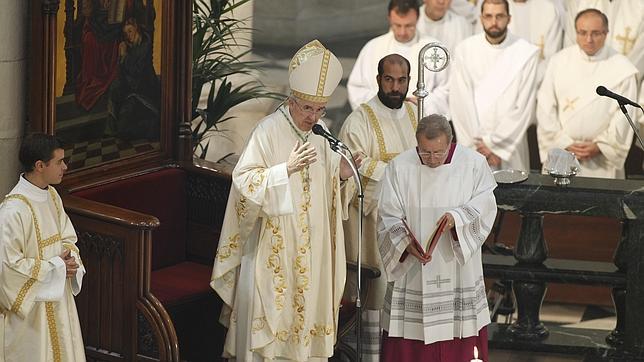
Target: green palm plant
(214, 35)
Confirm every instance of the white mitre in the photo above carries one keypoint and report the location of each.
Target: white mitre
(314, 72)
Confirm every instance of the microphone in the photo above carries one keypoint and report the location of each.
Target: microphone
(602, 91)
(320, 131)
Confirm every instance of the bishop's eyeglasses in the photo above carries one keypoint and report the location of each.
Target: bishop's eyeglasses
(310, 110)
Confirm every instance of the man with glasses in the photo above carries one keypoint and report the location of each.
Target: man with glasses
(280, 263)
(402, 39)
(570, 114)
(626, 19)
(435, 306)
(493, 90)
(379, 129)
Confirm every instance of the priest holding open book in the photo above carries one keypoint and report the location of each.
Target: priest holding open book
(435, 307)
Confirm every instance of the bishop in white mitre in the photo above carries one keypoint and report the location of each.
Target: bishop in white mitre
(572, 116)
(280, 263)
(493, 90)
(40, 322)
(362, 85)
(625, 24)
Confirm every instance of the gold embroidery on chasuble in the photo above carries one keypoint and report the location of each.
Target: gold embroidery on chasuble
(256, 180)
(275, 262)
(231, 246)
(302, 260)
(258, 324)
(384, 156)
(49, 306)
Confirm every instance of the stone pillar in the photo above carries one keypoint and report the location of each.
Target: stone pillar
(299, 21)
(13, 93)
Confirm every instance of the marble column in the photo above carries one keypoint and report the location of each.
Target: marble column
(13, 93)
(299, 21)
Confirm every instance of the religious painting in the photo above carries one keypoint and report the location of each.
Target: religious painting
(108, 79)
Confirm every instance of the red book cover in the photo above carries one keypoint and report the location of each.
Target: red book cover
(431, 241)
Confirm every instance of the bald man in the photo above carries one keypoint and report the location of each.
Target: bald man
(569, 113)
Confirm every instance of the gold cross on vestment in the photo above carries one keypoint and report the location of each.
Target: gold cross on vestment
(472, 1)
(541, 44)
(627, 43)
(570, 104)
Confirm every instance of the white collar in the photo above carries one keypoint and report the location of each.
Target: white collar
(410, 43)
(602, 54)
(30, 190)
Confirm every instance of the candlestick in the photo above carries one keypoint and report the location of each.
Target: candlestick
(476, 356)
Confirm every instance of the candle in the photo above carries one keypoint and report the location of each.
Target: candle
(476, 356)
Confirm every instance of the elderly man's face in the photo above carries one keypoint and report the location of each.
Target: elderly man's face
(403, 25)
(433, 152)
(591, 33)
(436, 9)
(305, 113)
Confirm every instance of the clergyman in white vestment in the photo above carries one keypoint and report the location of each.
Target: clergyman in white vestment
(435, 307)
(402, 39)
(438, 22)
(625, 25)
(541, 23)
(493, 90)
(40, 266)
(380, 129)
(572, 116)
(280, 263)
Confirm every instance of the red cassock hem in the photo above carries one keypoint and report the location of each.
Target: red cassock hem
(398, 349)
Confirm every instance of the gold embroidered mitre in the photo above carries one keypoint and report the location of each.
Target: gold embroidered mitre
(314, 72)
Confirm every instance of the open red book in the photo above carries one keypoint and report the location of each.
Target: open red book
(431, 242)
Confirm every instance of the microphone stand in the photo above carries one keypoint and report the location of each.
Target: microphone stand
(622, 106)
(339, 150)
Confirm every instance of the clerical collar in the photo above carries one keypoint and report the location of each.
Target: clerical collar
(303, 136)
(432, 21)
(602, 54)
(410, 43)
(30, 190)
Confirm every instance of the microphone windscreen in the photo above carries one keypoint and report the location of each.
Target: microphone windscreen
(318, 129)
(601, 90)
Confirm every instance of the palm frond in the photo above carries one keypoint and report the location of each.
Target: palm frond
(216, 32)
